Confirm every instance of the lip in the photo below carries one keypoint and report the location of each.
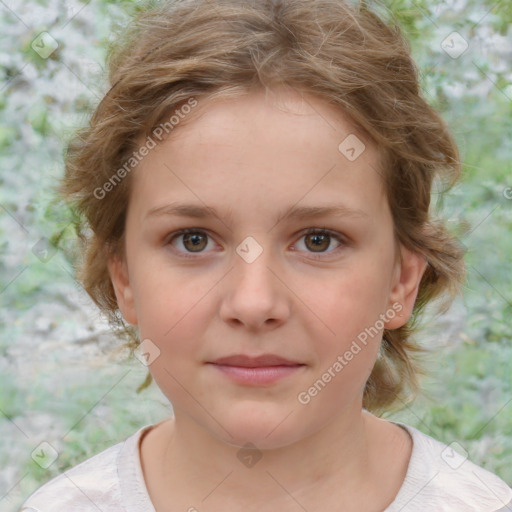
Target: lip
(245, 361)
(256, 371)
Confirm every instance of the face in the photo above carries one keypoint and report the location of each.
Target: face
(264, 269)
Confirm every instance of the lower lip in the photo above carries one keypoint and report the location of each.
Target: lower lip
(257, 376)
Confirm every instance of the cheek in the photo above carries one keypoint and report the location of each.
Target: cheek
(348, 341)
(350, 302)
(175, 321)
(169, 300)
(172, 318)
(349, 306)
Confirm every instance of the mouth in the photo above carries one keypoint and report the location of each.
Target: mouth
(256, 371)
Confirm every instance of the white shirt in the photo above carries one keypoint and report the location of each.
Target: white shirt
(438, 479)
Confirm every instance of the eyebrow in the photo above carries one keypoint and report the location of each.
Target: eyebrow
(295, 212)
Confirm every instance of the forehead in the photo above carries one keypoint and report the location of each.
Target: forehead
(308, 118)
(255, 152)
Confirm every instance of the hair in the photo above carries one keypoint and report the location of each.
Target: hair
(344, 54)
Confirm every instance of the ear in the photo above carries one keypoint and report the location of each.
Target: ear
(118, 271)
(406, 282)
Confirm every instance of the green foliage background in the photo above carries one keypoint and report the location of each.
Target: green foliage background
(46, 395)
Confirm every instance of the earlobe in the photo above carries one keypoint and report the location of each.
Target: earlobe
(118, 271)
(405, 287)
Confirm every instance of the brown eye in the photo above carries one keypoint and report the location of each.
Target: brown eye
(192, 240)
(195, 242)
(318, 242)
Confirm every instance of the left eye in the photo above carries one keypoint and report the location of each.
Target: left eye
(317, 241)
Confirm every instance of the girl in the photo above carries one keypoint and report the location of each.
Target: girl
(257, 185)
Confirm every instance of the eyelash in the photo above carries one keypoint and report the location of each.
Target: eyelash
(310, 231)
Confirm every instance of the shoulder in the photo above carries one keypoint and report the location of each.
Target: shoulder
(88, 486)
(441, 479)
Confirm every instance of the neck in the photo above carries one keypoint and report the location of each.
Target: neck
(210, 470)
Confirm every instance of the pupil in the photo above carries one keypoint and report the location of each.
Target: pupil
(319, 239)
(195, 239)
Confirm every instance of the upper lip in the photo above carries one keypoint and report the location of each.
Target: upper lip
(255, 362)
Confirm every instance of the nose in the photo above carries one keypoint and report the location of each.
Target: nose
(254, 296)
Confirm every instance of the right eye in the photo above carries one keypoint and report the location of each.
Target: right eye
(193, 240)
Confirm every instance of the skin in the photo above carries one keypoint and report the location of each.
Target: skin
(293, 300)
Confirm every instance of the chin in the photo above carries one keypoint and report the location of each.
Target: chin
(265, 431)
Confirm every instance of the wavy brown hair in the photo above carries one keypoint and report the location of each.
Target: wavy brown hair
(342, 53)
